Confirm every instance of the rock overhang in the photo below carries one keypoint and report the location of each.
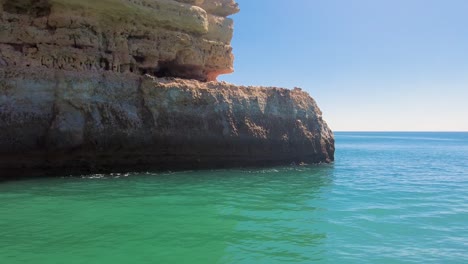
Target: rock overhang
(167, 38)
(81, 90)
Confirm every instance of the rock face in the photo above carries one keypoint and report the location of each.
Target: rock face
(88, 86)
(184, 38)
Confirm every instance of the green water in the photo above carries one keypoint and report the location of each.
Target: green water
(389, 198)
(190, 217)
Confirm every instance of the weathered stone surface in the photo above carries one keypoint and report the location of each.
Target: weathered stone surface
(160, 37)
(60, 120)
(88, 86)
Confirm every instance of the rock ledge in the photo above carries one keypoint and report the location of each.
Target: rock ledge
(87, 89)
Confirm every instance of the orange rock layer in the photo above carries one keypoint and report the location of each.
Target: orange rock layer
(89, 86)
(184, 38)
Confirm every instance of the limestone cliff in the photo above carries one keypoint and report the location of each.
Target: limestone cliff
(184, 38)
(88, 86)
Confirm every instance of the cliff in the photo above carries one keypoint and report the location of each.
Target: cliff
(183, 38)
(88, 86)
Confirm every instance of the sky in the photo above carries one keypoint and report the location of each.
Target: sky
(371, 65)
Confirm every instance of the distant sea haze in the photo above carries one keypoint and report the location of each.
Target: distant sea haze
(390, 197)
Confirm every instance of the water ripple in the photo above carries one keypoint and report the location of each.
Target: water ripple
(396, 198)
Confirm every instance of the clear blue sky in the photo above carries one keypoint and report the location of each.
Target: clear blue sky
(370, 64)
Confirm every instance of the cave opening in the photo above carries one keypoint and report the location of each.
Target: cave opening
(163, 71)
(173, 69)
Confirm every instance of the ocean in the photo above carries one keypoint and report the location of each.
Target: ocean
(388, 198)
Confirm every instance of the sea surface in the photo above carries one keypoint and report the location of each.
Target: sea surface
(388, 198)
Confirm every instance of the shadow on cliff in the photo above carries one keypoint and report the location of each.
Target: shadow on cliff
(33, 8)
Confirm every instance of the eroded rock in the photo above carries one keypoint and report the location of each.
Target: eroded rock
(160, 37)
(88, 86)
(62, 121)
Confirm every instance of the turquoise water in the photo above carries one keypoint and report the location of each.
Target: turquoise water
(389, 198)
